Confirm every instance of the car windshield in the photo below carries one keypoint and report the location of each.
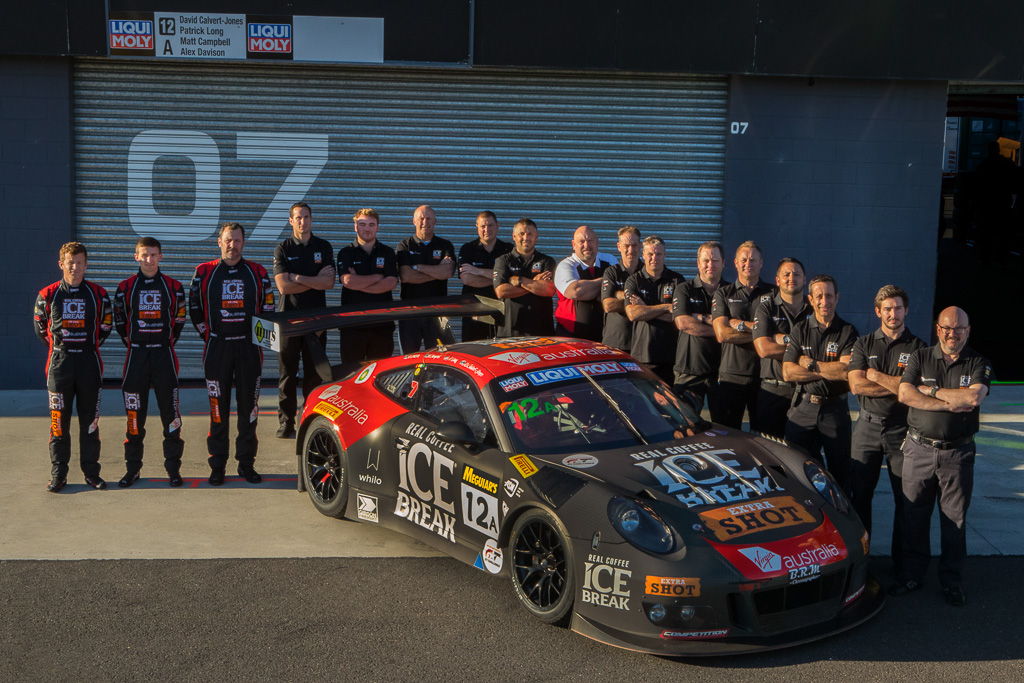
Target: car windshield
(574, 415)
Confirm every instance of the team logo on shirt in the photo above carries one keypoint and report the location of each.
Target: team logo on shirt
(74, 313)
(902, 364)
(832, 349)
(765, 298)
(965, 380)
(317, 258)
(232, 294)
(437, 254)
(149, 304)
(535, 268)
(380, 262)
(666, 291)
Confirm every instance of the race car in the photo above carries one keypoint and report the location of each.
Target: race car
(609, 504)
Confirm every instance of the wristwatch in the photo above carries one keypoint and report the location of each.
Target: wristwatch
(785, 339)
(813, 365)
(933, 392)
(416, 267)
(741, 327)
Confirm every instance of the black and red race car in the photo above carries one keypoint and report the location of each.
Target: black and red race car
(609, 504)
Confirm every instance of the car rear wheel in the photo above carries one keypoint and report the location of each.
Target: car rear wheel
(323, 468)
(542, 567)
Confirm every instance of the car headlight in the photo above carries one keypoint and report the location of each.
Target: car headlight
(826, 486)
(640, 525)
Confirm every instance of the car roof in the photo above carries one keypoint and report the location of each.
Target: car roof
(488, 359)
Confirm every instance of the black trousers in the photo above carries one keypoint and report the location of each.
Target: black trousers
(74, 377)
(694, 389)
(156, 368)
(930, 474)
(732, 396)
(773, 403)
(294, 349)
(823, 428)
(875, 439)
(361, 344)
(232, 365)
(417, 334)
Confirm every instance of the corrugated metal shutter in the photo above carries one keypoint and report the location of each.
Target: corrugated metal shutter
(171, 149)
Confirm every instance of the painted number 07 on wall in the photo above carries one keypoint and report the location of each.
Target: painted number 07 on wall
(307, 152)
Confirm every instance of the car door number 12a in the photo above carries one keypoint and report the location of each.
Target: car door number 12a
(480, 511)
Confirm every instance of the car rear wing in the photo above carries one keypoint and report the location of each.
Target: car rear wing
(269, 329)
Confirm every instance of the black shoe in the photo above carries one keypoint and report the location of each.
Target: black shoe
(954, 596)
(128, 479)
(216, 476)
(56, 484)
(249, 474)
(174, 479)
(286, 431)
(96, 483)
(905, 587)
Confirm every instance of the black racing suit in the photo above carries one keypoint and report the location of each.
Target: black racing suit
(73, 322)
(222, 300)
(149, 313)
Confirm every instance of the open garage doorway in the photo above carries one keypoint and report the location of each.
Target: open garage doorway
(981, 226)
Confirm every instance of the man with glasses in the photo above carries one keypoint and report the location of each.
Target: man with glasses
(944, 386)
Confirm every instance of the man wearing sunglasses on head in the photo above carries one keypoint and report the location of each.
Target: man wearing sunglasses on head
(944, 386)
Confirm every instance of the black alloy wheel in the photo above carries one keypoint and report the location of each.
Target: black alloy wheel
(542, 570)
(323, 469)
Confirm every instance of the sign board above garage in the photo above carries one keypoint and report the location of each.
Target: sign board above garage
(181, 35)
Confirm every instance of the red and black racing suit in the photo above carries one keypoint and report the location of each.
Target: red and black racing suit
(222, 300)
(73, 322)
(149, 313)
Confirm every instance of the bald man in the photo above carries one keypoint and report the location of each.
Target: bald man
(425, 262)
(943, 387)
(578, 284)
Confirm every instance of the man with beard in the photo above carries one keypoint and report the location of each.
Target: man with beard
(944, 386)
(697, 351)
(578, 279)
(773, 321)
(649, 305)
(368, 271)
(618, 329)
(524, 278)
(733, 319)
(876, 366)
(476, 270)
(817, 359)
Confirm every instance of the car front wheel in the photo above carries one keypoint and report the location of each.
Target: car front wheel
(542, 567)
(323, 468)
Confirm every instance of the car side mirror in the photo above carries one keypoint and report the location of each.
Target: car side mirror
(458, 432)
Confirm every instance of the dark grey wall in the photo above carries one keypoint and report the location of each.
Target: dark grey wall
(844, 175)
(36, 192)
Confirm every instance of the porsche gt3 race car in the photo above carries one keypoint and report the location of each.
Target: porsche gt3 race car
(609, 504)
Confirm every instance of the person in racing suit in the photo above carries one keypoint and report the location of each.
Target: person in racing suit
(224, 295)
(73, 317)
(149, 313)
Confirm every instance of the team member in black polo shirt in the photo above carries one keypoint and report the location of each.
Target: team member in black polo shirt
(817, 359)
(303, 271)
(773, 321)
(733, 318)
(425, 262)
(618, 329)
(476, 270)
(524, 278)
(876, 366)
(698, 352)
(578, 279)
(944, 386)
(368, 271)
(649, 305)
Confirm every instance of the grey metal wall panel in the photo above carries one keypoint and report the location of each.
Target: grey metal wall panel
(172, 149)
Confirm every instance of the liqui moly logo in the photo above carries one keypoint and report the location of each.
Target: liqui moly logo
(131, 34)
(269, 38)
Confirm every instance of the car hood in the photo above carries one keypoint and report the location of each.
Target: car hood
(718, 466)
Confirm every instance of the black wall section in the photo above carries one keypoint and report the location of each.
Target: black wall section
(845, 176)
(35, 181)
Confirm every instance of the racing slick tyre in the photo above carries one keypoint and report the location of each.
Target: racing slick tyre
(542, 566)
(323, 469)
